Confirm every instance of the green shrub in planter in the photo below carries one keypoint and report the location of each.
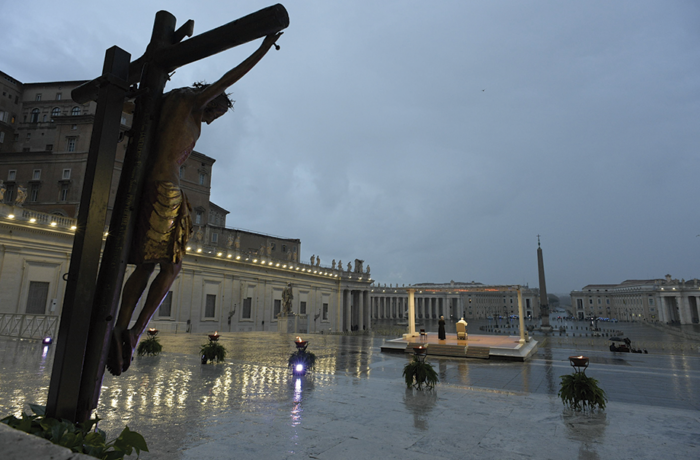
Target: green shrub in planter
(149, 347)
(78, 437)
(580, 392)
(418, 373)
(211, 351)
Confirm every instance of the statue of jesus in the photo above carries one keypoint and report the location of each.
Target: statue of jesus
(163, 224)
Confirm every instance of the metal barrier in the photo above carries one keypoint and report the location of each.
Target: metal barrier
(28, 326)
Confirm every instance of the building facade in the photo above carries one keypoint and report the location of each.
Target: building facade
(453, 300)
(43, 158)
(223, 291)
(665, 299)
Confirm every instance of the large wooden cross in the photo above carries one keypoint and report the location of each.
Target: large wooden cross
(93, 289)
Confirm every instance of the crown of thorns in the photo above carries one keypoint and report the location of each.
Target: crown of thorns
(222, 98)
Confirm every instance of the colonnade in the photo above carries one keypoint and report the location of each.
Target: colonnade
(354, 310)
(679, 308)
(426, 307)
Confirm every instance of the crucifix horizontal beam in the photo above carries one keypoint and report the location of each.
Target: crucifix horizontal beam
(265, 22)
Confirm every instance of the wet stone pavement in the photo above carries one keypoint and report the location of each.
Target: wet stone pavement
(355, 405)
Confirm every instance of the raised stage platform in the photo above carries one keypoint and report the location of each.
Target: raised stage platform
(476, 346)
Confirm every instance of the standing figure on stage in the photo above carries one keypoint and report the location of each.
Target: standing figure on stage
(441, 328)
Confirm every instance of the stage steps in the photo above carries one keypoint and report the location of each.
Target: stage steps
(456, 351)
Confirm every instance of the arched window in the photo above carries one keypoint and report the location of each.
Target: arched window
(35, 116)
(56, 112)
(75, 111)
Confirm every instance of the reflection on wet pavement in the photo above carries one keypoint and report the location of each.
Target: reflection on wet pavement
(181, 405)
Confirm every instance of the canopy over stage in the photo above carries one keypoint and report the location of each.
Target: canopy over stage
(433, 288)
(481, 346)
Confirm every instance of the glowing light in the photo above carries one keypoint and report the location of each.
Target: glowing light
(47, 341)
(53, 224)
(262, 261)
(219, 254)
(299, 368)
(238, 257)
(189, 248)
(284, 266)
(106, 233)
(73, 227)
(199, 249)
(32, 220)
(277, 265)
(270, 264)
(254, 260)
(11, 216)
(229, 256)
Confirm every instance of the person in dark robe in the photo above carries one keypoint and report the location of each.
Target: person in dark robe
(441, 328)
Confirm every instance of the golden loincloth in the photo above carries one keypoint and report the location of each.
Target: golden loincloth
(163, 227)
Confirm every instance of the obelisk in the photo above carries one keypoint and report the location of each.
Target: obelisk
(544, 302)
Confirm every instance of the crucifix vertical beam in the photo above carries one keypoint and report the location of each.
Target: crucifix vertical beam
(77, 305)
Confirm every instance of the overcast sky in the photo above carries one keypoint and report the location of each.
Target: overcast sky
(436, 140)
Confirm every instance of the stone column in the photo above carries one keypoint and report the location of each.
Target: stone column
(683, 309)
(521, 320)
(360, 311)
(411, 312)
(348, 309)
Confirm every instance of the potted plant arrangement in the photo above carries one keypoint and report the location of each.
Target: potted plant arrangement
(213, 350)
(580, 392)
(301, 360)
(418, 372)
(151, 346)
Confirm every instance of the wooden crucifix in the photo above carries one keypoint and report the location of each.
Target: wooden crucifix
(163, 134)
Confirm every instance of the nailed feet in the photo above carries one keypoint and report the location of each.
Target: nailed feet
(121, 350)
